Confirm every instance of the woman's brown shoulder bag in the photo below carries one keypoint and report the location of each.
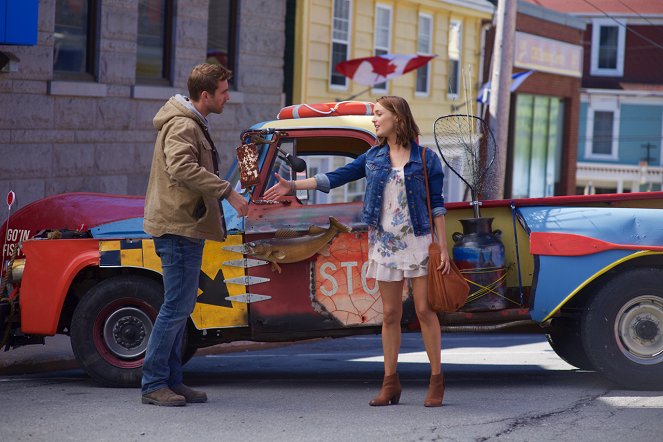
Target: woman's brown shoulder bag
(446, 292)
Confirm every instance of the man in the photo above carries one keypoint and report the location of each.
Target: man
(182, 210)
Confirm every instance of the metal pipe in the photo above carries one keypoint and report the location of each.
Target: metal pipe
(485, 328)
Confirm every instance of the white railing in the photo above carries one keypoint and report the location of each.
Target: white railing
(620, 175)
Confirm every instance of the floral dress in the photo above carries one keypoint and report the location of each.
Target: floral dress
(394, 252)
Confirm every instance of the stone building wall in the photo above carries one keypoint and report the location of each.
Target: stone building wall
(97, 136)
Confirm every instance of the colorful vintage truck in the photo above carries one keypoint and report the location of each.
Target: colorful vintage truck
(585, 270)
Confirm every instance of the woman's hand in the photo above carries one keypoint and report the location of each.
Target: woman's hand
(277, 190)
(445, 261)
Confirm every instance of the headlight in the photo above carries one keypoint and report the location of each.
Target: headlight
(17, 270)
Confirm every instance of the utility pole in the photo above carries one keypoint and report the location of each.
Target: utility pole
(500, 94)
(644, 166)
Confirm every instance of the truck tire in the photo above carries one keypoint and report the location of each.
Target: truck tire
(564, 338)
(111, 326)
(622, 329)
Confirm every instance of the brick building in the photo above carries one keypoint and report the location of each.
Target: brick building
(544, 115)
(76, 108)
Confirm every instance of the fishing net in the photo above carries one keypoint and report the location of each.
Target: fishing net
(468, 148)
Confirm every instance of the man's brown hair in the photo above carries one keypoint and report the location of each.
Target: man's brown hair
(406, 129)
(206, 77)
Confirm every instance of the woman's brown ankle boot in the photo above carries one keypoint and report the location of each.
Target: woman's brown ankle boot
(435, 391)
(390, 393)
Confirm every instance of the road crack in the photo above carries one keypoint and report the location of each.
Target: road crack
(527, 420)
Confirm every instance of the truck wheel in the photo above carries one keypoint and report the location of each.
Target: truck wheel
(622, 330)
(111, 326)
(564, 338)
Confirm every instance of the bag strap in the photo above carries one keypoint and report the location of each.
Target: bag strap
(430, 212)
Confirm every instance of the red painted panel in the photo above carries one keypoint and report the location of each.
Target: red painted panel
(570, 244)
(50, 267)
(69, 210)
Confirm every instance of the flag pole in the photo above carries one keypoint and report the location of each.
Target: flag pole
(352, 97)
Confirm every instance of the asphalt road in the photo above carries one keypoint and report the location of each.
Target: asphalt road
(499, 387)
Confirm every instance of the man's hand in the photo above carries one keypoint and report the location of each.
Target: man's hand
(239, 203)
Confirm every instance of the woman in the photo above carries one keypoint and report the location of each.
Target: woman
(396, 213)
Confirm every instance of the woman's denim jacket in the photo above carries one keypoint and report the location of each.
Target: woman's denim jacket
(375, 165)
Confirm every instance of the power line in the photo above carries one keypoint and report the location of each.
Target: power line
(623, 25)
(636, 12)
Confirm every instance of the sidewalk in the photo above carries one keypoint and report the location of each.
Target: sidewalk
(56, 354)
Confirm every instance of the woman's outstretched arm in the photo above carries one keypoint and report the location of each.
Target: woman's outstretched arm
(284, 187)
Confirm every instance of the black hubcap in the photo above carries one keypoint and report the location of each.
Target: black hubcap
(129, 332)
(646, 329)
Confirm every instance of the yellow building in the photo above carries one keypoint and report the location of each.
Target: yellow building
(327, 32)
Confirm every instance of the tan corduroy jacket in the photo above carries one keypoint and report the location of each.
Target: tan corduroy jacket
(183, 192)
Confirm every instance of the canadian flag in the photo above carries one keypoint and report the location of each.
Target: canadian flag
(370, 71)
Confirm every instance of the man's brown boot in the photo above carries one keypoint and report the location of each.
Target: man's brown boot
(164, 397)
(192, 396)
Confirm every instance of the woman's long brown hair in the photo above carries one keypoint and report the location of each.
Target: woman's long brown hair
(406, 129)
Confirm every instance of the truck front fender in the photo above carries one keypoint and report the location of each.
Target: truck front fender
(50, 268)
(602, 238)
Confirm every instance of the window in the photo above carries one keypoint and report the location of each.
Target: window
(222, 34)
(340, 40)
(602, 130)
(455, 49)
(155, 33)
(537, 146)
(75, 42)
(318, 152)
(607, 58)
(382, 37)
(602, 134)
(352, 192)
(424, 47)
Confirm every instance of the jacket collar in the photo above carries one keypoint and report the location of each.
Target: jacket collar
(415, 152)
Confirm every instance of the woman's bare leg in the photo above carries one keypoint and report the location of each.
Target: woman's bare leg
(392, 307)
(430, 326)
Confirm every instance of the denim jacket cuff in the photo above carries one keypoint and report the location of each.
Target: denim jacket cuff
(322, 182)
(439, 211)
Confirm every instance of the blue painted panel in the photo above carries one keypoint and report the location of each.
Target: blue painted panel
(582, 131)
(617, 225)
(127, 228)
(559, 276)
(21, 22)
(639, 125)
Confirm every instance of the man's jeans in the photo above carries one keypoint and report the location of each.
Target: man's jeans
(180, 261)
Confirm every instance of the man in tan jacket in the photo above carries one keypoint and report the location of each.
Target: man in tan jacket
(182, 210)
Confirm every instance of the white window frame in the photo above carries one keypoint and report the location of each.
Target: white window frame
(621, 42)
(347, 43)
(375, 37)
(602, 106)
(425, 93)
(450, 95)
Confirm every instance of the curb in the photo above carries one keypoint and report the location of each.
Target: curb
(69, 362)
